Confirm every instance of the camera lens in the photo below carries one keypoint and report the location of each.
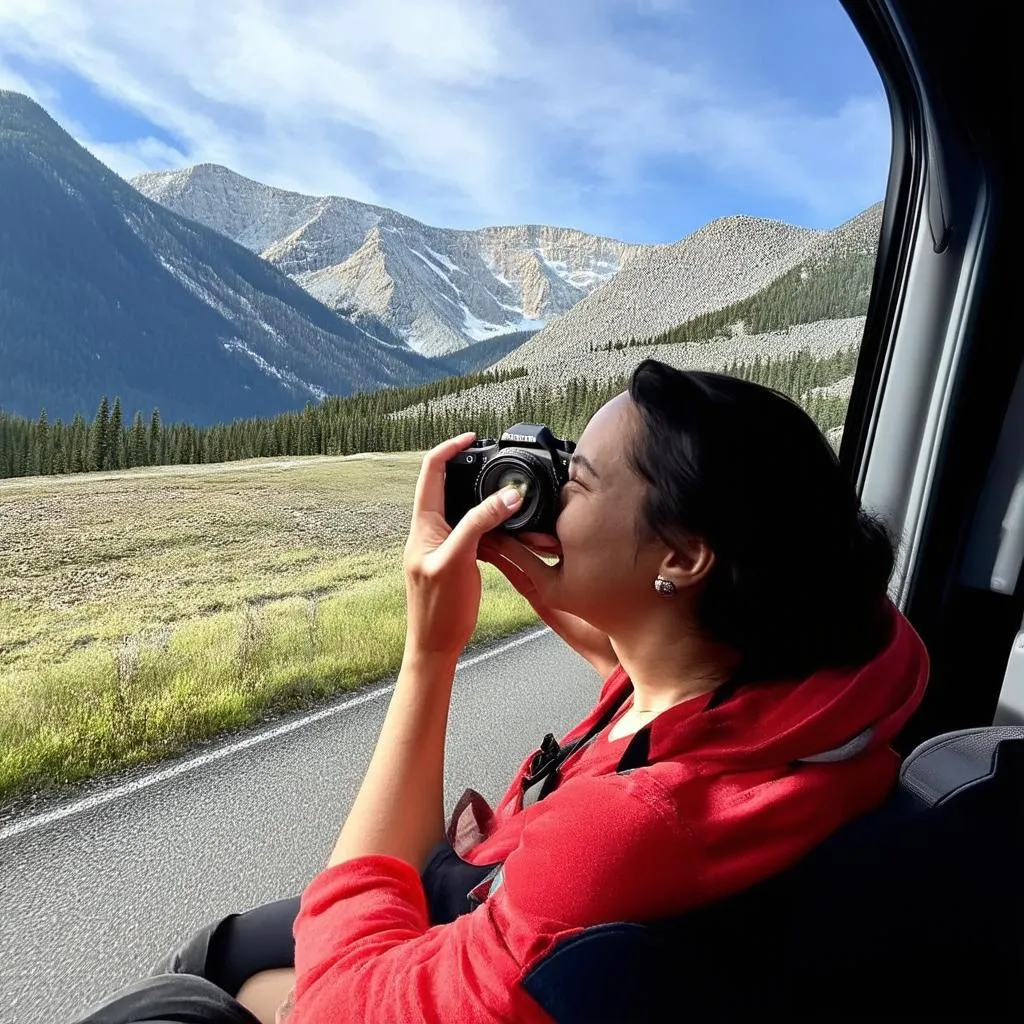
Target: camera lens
(514, 477)
(523, 472)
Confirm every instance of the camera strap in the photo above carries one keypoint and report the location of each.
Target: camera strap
(543, 774)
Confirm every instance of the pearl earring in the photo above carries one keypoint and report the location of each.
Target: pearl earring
(664, 586)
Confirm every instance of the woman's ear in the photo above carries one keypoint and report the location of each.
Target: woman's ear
(688, 562)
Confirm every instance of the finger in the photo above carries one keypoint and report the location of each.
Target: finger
(430, 484)
(529, 570)
(541, 543)
(500, 545)
(520, 580)
(488, 551)
(490, 513)
(521, 550)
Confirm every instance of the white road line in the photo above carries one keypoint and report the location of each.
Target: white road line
(99, 799)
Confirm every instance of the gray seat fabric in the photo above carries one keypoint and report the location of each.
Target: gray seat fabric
(942, 768)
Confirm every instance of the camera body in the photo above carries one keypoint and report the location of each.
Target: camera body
(527, 456)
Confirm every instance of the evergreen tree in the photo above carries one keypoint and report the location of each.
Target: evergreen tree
(99, 439)
(138, 452)
(6, 449)
(79, 459)
(41, 455)
(25, 454)
(115, 438)
(389, 420)
(154, 439)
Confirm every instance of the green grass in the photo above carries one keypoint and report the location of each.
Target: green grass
(148, 610)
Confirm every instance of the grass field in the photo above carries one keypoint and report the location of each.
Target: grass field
(143, 611)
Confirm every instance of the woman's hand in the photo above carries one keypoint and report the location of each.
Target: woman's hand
(399, 809)
(442, 578)
(518, 561)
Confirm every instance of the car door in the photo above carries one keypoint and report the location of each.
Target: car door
(932, 435)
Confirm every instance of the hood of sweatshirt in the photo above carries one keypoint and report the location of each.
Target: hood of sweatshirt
(832, 715)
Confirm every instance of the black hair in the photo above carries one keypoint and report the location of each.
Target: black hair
(801, 570)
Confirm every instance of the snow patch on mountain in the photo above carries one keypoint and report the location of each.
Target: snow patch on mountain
(442, 259)
(368, 261)
(436, 269)
(285, 376)
(481, 330)
(193, 287)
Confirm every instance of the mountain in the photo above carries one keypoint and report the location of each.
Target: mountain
(737, 291)
(664, 286)
(439, 289)
(831, 281)
(484, 353)
(738, 278)
(104, 292)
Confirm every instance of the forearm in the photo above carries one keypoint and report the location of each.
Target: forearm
(400, 807)
(399, 812)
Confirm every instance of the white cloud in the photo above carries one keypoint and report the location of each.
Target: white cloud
(828, 163)
(463, 111)
(131, 158)
(10, 79)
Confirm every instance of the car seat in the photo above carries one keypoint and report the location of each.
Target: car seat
(911, 912)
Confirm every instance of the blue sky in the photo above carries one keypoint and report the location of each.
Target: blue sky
(640, 119)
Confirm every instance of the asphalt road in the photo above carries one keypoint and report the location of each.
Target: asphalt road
(93, 892)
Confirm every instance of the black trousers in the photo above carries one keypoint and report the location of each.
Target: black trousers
(197, 982)
(232, 950)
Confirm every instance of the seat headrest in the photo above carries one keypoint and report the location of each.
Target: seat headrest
(946, 767)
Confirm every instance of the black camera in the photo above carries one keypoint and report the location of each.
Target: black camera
(528, 457)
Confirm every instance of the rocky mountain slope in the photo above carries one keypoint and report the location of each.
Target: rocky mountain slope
(105, 292)
(736, 291)
(820, 340)
(740, 276)
(439, 289)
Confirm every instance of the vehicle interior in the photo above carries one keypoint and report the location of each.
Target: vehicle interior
(915, 911)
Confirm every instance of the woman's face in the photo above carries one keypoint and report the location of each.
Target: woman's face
(608, 565)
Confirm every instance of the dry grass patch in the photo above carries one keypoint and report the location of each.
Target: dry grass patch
(144, 611)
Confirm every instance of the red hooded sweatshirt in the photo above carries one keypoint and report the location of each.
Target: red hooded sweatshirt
(730, 796)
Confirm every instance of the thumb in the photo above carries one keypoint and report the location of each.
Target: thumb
(490, 513)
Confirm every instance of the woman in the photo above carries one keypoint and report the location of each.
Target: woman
(715, 567)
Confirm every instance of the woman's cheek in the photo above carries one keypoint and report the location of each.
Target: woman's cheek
(560, 520)
(564, 524)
